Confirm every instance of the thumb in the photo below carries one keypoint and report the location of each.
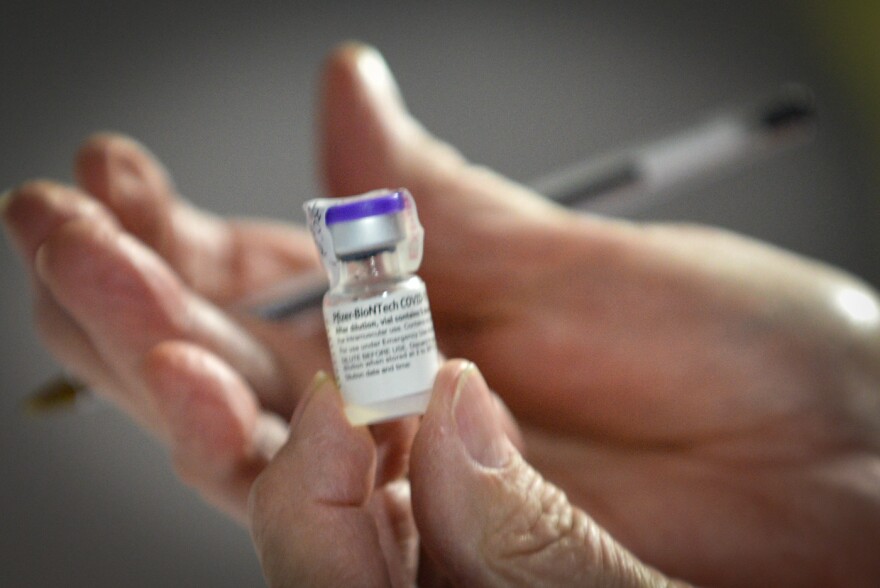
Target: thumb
(369, 140)
(486, 517)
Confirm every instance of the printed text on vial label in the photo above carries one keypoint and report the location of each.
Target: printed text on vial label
(376, 339)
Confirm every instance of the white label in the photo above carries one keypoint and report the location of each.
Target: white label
(383, 347)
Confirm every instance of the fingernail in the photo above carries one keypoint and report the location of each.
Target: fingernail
(318, 381)
(374, 70)
(477, 421)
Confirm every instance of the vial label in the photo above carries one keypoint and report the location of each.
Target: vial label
(383, 347)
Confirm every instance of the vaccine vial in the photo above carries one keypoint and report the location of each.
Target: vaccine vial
(376, 312)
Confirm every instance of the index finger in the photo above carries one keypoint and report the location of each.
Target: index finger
(310, 516)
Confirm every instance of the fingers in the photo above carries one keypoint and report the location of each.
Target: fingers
(127, 300)
(32, 213)
(310, 509)
(130, 182)
(115, 326)
(486, 517)
(220, 438)
(37, 208)
(221, 260)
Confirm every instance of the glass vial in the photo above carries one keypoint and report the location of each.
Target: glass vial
(377, 316)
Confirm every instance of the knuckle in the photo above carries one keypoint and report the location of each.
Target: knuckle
(540, 535)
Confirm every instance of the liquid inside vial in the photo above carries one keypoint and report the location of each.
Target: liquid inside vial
(377, 316)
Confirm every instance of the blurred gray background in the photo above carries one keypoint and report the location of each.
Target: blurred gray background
(224, 93)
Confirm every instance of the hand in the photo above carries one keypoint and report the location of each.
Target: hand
(678, 383)
(710, 401)
(481, 515)
(137, 293)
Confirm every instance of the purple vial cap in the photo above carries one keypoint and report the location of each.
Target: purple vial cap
(389, 203)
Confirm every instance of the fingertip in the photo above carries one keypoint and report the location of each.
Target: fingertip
(462, 442)
(318, 380)
(453, 378)
(435, 448)
(370, 68)
(321, 406)
(97, 144)
(345, 54)
(337, 459)
(359, 66)
(91, 162)
(24, 213)
(36, 208)
(369, 138)
(477, 421)
(445, 385)
(98, 148)
(125, 175)
(313, 500)
(437, 424)
(362, 117)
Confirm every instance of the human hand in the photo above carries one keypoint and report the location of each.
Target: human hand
(477, 513)
(676, 382)
(137, 293)
(710, 401)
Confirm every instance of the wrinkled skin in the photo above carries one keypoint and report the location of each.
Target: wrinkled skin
(709, 402)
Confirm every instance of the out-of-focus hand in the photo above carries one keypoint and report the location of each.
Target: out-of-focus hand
(132, 293)
(710, 401)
